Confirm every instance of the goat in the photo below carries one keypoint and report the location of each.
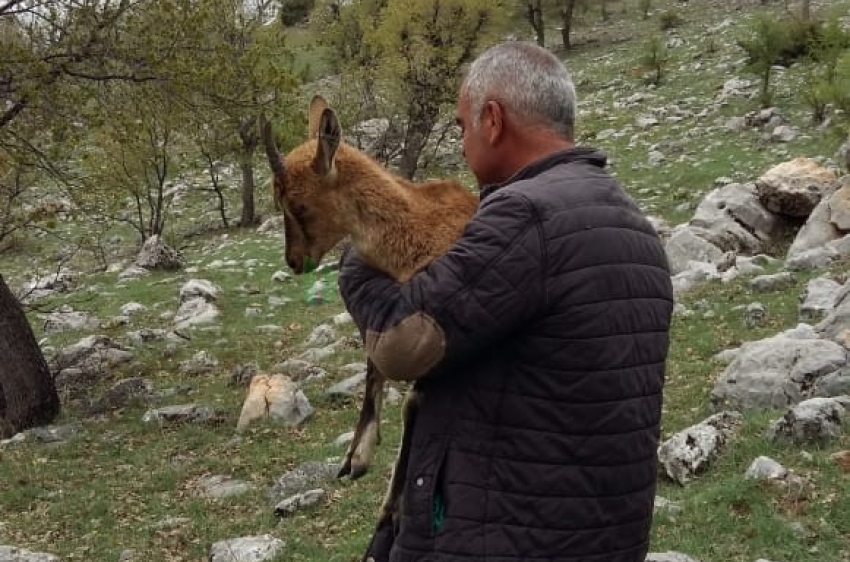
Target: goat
(329, 190)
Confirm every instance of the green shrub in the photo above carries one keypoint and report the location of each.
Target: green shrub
(655, 59)
(669, 20)
(293, 12)
(825, 82)
(828, 46)
(839, 90)
(768, 38)
(800, 37)
(817, 94)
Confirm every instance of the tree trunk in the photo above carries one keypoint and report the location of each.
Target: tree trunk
(249, 216)
(414, 143)
(248, 134)
(534, 14)
(28, 396)
(423, 116)
(765, 87)
(567, 22)
(806, 12)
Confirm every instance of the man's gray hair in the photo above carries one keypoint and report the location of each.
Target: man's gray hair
(528, 80)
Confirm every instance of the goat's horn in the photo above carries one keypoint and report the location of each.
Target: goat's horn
(275, 161)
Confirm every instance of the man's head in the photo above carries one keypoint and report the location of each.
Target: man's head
(517, 104)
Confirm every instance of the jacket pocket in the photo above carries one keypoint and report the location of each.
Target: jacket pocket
(421, 491)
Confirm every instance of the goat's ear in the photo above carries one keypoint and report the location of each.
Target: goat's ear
(329, 136)
(317, 106)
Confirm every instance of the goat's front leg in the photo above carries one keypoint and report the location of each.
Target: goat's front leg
(367, 434)
(390, 511)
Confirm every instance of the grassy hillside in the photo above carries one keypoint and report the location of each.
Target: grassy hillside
(121, 484)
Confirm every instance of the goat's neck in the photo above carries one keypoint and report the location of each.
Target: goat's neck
(379, 212)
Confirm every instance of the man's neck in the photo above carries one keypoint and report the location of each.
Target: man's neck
(528, 148)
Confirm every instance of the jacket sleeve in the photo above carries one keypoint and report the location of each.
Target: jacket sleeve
(489, 283)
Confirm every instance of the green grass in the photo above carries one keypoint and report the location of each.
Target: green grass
(108, 488)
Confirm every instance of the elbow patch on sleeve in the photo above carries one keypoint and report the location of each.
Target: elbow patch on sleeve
(409, 349)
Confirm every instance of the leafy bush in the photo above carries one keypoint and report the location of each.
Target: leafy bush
(768, 38)
(829, 45)
(670, 19)
(655, 59)
(293, 12)
(817, 94)
(800, 37)
(825, 81)
(792, 39)
(839, 91)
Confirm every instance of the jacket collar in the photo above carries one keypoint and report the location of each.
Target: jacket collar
(577, 153)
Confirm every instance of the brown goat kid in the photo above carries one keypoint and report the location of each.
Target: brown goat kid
(328, 190)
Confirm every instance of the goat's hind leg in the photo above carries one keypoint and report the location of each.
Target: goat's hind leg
(367, 434)
(391, 508)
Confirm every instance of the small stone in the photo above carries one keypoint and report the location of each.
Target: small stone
(755, 315)
(669, 508)
(13, 554)
(295, 503)
(246, 549)
(765, 468)
(346, 388)
(772, 282)
(220, 487)
(185, 413)
(281, 276)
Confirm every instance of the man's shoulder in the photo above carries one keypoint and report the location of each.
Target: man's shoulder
(571, 184)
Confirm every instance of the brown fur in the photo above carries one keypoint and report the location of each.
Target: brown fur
(329, 190)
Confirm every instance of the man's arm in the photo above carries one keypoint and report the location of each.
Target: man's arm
(490, 282)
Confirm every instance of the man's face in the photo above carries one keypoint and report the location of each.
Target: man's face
(476, 149)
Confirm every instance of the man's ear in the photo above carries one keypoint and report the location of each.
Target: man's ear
(329, 133)
(493, 121)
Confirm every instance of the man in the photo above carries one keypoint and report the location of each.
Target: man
(539, 342)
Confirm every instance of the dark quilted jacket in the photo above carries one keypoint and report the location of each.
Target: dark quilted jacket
(541, 418)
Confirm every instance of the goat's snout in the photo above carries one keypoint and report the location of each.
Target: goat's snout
(295, 263)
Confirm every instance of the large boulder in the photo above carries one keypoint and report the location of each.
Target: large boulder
(156, 254)
(794, 188)
(732, 218)
(776, 372)
(814, 421)
(685, 246)
(836, 324)
(818, 299)
(822, 233)
(839, 206)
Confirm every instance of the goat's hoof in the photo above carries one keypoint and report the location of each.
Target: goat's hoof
(357, 470)
(352, 468)
(345, 469)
